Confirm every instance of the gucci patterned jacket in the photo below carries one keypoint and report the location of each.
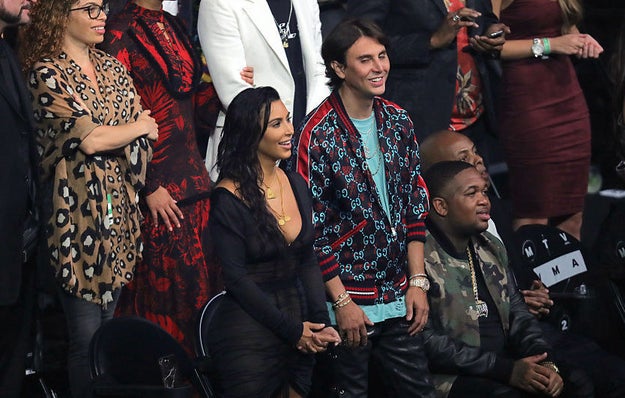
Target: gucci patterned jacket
(355, 239)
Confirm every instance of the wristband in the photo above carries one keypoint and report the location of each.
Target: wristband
(547, 46)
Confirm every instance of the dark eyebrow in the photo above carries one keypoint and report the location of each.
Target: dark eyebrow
(280, 118)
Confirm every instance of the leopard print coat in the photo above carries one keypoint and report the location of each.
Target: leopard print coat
(89, 201)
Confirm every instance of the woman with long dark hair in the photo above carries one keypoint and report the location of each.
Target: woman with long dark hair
(92, 141)
(273, 316)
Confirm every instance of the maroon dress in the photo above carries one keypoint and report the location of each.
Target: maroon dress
(544, 120)
(177, 274)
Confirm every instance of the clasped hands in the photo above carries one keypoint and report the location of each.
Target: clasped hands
(529, 374)
(316, 337)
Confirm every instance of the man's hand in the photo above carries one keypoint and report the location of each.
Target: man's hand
(537, 299)
(417, 309)
(352, 323)
(485, 44)
(162, 204)
(555, 385)
(529, 375)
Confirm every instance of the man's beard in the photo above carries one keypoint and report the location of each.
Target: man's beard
(11, 19)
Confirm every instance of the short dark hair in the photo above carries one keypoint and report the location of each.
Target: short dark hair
(341, 38)
(440, 174)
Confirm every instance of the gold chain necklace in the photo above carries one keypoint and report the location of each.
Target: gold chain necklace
(481, 308)
(283, 218)
(268, 192)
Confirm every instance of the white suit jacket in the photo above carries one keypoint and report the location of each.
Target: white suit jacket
(238, 33)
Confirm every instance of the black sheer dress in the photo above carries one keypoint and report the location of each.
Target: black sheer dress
(272, 287)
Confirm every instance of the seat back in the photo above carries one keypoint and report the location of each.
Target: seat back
(555, 257)
(204, 322)
(132, 351)
(204, 364)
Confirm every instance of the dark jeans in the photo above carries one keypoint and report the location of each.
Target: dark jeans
(344, 372)
(607, 371)
(15, 335)
(83, 320)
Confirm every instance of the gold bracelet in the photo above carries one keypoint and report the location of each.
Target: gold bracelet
(341, 297)
(551, 365)
(342, 304)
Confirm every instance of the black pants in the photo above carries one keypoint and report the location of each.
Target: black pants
(576, 385)
(15, 335)
(401, 360)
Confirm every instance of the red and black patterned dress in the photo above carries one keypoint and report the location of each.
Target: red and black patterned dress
(178, 274)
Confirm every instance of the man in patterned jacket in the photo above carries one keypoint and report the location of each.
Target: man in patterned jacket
(359, 155)
(481, 341)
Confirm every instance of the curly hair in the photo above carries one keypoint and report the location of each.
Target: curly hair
(43, 37)
(237, 156)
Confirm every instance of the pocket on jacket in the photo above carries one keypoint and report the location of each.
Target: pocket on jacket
(349, 234)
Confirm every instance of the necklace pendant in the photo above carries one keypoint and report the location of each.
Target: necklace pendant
(269, 193)
(394, 231)
(482, 309)
(281, 221)
(285, 43)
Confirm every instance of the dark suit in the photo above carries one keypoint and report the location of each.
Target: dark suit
(422, 80)
(16, 205)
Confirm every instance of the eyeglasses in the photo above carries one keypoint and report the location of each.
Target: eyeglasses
(94, 10)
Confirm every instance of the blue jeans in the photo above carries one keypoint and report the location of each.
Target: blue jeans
(83, 320)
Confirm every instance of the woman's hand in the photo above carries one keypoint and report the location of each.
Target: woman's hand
(452, 23)
(148, 125)
(161, 203)
(313, 339)
(578, 44)
(592, 48)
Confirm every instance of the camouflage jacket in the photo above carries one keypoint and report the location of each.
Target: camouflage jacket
(453, 333)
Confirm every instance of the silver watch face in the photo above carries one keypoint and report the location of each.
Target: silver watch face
(423, 283)
(537, 48)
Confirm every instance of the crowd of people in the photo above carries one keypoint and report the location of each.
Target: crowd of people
(342, 202)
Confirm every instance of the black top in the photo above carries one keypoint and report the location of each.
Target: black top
(286, 22)
(17, 211)
(492, 337)
(276, 283)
